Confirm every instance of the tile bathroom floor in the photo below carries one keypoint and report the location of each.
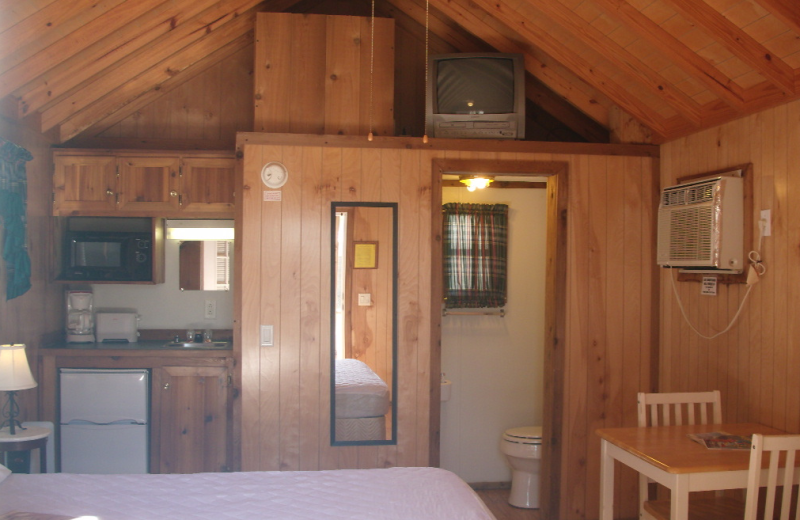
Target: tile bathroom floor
(497, 502)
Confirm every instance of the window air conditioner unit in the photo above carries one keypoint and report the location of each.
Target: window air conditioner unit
(701, 226)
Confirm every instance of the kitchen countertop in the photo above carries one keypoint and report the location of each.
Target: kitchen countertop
(139, 345)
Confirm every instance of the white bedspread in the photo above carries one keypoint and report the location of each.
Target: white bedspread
(373, 494)
(360, 392)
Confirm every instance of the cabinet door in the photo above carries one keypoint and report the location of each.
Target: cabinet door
(84, 185)
(194, 423)
(207, 185)
(148, 184)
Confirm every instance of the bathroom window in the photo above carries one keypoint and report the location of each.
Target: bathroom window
(475, 255)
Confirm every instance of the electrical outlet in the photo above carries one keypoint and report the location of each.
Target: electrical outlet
(211, 309)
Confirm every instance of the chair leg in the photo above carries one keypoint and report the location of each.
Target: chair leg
(644, 496)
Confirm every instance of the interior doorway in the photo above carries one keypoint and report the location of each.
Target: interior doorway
(555, 173)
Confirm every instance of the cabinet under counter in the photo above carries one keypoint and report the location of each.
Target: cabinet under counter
(191, 399)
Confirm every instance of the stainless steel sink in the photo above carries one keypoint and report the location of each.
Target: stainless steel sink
(188, 344)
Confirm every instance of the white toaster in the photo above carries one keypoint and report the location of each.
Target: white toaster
(117, 326)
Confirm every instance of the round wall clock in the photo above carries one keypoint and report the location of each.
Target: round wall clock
(274, 174)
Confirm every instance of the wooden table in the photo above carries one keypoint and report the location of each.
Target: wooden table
(667, 455)
(31, 438)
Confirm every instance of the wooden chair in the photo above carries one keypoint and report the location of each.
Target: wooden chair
(670, 408)
(769, 503)
(665, 409)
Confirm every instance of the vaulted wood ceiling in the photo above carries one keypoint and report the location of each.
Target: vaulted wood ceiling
(676, 66)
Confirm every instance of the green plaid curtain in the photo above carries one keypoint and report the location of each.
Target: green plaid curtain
(13, 202)
(475, 254)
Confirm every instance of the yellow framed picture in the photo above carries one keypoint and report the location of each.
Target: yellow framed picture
(365, 255)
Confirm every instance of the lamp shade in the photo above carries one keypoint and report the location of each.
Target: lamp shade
(15, 374)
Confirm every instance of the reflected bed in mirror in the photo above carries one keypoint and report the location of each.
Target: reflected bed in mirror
(363, 323)
(205, 265)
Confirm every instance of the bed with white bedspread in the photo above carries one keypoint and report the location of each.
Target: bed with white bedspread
(368, 494)
(362, 402)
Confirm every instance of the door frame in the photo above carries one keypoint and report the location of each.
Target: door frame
(555, 306)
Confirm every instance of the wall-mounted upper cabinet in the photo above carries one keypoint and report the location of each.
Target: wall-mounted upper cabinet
(143, 184)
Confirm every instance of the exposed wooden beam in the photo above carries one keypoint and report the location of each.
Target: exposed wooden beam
(168, 86)
(170, 22)
(559, 80)
(738, 42)
(47, 26)
(440, 25)
(677, 52)
(119, 77)
(537, 32)
(787, 11)
(26, 67)
(630, 68)
(564, 112)
(95, 59)
(157, 75)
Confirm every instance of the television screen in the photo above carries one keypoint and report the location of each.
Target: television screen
(475, 86)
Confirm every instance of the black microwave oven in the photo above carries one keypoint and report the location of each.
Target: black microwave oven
(107, 256)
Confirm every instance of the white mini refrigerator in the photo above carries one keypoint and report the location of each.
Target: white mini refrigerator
(104, 420)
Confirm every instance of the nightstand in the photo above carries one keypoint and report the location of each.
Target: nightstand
(19, 446)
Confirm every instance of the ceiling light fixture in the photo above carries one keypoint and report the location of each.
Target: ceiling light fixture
(476, 182)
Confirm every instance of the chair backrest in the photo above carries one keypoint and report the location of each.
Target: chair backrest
(781, 451)
(666, 409)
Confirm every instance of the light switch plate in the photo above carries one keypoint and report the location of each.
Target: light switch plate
(266, 336)
(364, 299)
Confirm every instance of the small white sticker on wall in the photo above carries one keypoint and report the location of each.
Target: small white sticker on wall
(709, 286)
(272, 196)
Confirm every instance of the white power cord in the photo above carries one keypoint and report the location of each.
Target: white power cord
(756, 269)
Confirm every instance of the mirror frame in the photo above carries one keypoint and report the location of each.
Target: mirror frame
(334, 207)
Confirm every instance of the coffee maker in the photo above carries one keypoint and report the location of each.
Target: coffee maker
(80, 322)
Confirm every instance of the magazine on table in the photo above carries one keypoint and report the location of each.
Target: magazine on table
(722, 440)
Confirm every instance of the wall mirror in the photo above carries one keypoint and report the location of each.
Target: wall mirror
(205, 265)
(363, 323)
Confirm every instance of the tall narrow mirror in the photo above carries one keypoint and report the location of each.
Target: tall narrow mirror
(363, 323)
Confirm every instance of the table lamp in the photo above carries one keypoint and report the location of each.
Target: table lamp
(15, 374)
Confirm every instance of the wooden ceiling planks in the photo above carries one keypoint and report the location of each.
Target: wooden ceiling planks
(677, 66)
(151, 79)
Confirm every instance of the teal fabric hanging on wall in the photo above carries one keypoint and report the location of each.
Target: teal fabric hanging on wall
(13, 209)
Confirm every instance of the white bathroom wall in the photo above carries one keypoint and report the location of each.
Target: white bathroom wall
(165, 306)
(496, 363)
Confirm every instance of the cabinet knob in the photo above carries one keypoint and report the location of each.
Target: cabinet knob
(173, 193)
(166, 386)
(109, 192)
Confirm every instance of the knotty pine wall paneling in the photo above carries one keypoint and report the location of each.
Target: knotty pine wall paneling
(313, 74)
(752, 364)
(39, 311)
(210, 107)
(284, 279)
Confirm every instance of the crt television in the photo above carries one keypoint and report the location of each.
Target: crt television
(476, 95)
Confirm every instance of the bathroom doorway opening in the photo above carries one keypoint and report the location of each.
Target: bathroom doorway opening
(555, 174)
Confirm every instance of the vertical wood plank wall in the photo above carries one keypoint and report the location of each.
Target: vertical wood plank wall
(319, 74)
(40, 310)
(611, 316)
(754, 364)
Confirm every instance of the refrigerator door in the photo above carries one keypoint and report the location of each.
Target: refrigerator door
(103, 422)
(104, 396)
(107, 449)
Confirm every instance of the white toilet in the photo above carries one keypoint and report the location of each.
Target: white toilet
(523, 449)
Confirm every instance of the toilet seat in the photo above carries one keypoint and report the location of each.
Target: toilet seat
(524, 435)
